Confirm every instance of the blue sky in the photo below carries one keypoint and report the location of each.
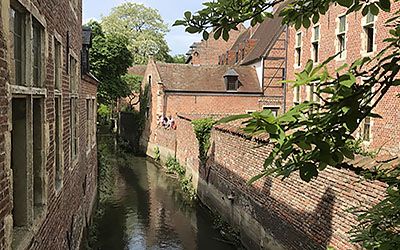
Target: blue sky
(178, 40)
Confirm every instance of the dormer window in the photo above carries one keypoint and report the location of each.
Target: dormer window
(231, 80)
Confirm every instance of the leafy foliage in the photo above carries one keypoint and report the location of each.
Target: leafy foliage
(156, 153)
(176, 59)
(110, 59)
(314, 135)
(202, 129)
(143, 28)
(173, 166)
(224, 15)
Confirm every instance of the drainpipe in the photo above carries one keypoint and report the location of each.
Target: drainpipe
(262, 74)
(285, 69)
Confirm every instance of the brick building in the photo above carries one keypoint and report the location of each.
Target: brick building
(274, 213)
(48, 159)
(206, 52)
(356, 36)
(205, 89)
(264, 47)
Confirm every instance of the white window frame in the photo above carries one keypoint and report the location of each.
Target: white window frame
(343, 55)
(298, 49)
(314, 41)
(364, 36)
(297, 95)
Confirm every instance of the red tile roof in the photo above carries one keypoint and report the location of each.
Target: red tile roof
(138, 70)
(206, 78)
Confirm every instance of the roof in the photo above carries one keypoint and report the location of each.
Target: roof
(206, 78)
(266, 35)
(138, 70)
(243, 37)
(87, 36)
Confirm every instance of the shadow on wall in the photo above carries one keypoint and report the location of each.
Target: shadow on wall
(225, 191)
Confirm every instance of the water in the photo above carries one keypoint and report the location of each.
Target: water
(142, 207)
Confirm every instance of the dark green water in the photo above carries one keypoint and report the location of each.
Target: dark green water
(141, 207)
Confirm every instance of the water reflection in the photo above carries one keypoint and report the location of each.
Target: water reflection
(146, 210)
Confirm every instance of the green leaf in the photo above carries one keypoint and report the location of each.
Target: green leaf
(374, 115)
(206, 35)
(217, 33)
(374, 10)
(306, 23)
(308, 171)
(269, 161)
(345, 3)
(315, 18)
(309, 66)
(347, 80)
(304, 145)
(179, 22)
(365, 10)
(192, 29)
(225, 35)
(349, 154)
(384, 5)
(188, 15)
(256, 178)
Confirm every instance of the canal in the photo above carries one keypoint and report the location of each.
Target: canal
(140, 206)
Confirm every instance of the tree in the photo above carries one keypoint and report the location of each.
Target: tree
(143, 28)
(110, 59)
(177, 59)
(312, 136)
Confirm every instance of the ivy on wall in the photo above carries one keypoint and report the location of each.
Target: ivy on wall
(202, 129)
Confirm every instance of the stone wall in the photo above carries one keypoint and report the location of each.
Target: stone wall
(67, 210)
(271, 213)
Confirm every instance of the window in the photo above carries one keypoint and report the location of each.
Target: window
(237, 56)
(73, 129)
(232, 83)
(149, 79)
(88, 123)
(37, 63)
(311, 95)
(341, 37)
(58, 143)
(19, 162)
(274, 110)
(369, 33)
(73, 75)
(296, 94)
(94, 120)
(27, 164)
(298, 50)
(227, 58)
(366, 129)
(17, 29)
(57, 64)
(242, 54)
(38, 155)
(315, 44)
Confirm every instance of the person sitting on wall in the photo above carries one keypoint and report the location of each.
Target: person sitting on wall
(164, 121)
(172, 123)
(169, 122)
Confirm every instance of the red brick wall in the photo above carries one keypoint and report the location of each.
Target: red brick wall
(207, 52)
(385, 132)
(210, 104)
(68, 211)
(290, 213)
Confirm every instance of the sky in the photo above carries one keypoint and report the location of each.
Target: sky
(171, 10)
